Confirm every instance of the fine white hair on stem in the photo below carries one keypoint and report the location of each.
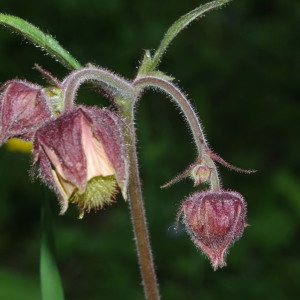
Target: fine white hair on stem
(182, 102)
(111, 82)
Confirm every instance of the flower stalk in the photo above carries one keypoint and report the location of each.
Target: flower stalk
(112, 83)
(137, 211)
(189, 113)
(181, 101)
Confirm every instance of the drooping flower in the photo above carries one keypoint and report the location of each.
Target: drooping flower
(82, 156)
(214, 220)
(23, 109)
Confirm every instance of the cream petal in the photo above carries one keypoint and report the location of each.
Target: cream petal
(98, 164)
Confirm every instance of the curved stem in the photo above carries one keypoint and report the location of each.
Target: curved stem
(190, 115)
(180, 24)
(112, 83)
(181, 101)
(137, 210)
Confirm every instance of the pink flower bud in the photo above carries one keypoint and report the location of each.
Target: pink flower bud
(82, 156)
(200, 174)
(23, 109)
(214, 220)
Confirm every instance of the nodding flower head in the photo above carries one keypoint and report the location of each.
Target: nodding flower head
(23, 109)
(214, 220)
(82, 156)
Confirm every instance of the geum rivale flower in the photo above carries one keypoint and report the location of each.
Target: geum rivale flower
(82, 156)
(24, 107)
(214, 220)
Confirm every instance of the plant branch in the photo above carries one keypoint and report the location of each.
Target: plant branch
(179, 98)
(191, 117)
(112, 83)
(137, 210)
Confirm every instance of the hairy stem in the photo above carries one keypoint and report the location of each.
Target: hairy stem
(137, 210)
(215, 183)
(190, 115)
(110, 82)
(181, 101)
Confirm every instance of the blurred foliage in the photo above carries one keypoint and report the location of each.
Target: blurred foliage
(240, 67)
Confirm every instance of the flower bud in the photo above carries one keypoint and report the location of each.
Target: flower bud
(200, 174)
(82, 156)
(214, 220)
(23, 109)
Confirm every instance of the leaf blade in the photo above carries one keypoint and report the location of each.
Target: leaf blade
(51, 286)
(179, 25)
(40, 39)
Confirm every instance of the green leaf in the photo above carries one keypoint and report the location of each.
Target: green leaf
(40, 39)
(180, 24)
(50, 279)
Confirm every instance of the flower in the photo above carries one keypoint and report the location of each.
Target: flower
(23, 109)
(200, 173)
(82, 156)
(214, 220)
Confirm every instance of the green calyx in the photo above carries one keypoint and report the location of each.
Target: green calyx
(100, 191)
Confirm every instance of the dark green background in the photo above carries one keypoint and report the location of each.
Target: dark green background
(240, 67)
